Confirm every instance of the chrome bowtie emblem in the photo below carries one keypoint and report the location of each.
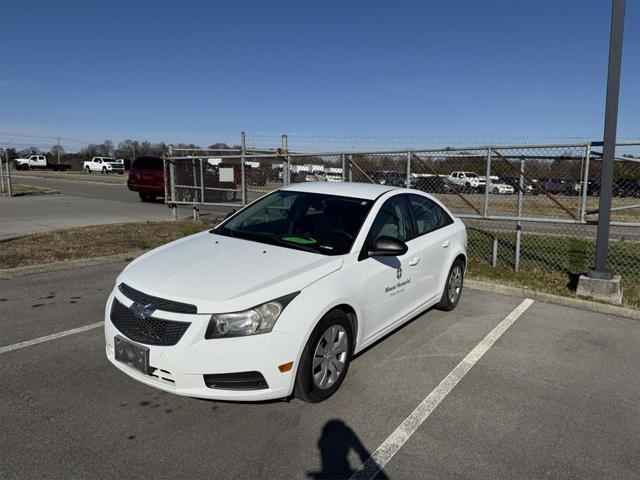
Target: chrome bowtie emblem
(142, 311)
(399, 273)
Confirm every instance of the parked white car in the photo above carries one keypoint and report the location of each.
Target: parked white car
(104, 165)
(277, 299)
(496, 185)
(468, 180)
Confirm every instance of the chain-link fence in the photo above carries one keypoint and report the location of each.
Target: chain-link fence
(532, 206)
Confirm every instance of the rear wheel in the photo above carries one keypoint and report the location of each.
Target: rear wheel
(453, 287)
(147, 197)
(88, 170)
(325, 359)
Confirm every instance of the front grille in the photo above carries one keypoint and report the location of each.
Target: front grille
(147, 330)
(159, 303)
(236, 381)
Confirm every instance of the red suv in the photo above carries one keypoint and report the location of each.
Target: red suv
(147, 178)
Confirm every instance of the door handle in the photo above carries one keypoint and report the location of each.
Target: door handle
(414, 261)
(445, 244)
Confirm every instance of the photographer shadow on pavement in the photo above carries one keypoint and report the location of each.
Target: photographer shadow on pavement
(336, 442)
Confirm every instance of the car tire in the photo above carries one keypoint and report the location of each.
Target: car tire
(104, 170)
(88, 170)
(309, 379)
(147, 197)
(452, 287)
(496, 190)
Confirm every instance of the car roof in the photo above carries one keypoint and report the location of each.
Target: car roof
(367, 191)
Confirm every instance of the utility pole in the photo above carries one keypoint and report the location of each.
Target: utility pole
(601, 269)
(58, 151)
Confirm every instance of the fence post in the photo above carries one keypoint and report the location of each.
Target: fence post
(344, 167)
(350, 170)
(585, 183)
(2, 172)
(243, 163)
(494, 253)
(516, 260)
(409, 169)
(172, 183)
(286, 160)
(202, 180)
(166, 176)
(485, 208)
(8, 175)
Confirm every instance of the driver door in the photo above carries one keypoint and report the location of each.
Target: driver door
(390, 281)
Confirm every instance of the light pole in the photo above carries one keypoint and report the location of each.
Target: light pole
(601, 269)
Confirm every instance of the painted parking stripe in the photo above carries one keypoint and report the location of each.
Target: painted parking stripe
(35, 341)
(397, 439)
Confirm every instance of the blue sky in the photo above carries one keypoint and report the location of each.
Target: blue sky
(390, 73)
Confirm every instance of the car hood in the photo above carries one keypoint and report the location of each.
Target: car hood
(219, 273)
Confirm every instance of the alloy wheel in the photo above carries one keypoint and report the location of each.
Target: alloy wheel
(455, 283)
(329, 357)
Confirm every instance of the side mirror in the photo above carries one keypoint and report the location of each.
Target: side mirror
(228, 214)
(388, 247)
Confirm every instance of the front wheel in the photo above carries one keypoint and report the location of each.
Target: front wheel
(453, 287)
(104, 170)
(325, 359)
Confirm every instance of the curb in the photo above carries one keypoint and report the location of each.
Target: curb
(555, 299)
(8, 273)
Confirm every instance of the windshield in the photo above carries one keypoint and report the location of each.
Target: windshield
(325, 224)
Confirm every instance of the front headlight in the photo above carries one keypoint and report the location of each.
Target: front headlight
(259, 319)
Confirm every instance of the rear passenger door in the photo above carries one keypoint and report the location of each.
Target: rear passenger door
(433, 237)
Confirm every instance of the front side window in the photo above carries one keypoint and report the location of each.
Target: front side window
(393, 220)
(325, 224)
(428, 215)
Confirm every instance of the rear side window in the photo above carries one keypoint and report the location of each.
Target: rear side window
(148, 163)
(428, 215)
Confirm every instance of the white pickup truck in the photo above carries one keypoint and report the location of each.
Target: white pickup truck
(38, 161)
(104, 165)
(467, 180)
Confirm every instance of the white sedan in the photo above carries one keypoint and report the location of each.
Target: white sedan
(277, 299)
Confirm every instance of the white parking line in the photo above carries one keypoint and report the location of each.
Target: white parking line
(397, 439)
(53, 336)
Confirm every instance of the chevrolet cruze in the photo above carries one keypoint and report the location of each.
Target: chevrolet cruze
(277, 299)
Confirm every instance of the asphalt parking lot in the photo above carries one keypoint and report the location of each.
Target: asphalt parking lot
(556, 396)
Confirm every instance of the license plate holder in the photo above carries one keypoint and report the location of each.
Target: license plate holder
(131, 354)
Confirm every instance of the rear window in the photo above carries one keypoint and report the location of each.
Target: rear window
(148, 163)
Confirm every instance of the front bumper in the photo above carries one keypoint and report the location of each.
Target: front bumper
(180, 368)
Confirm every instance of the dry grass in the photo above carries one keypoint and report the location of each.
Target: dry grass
(23, 189)
(94, 241)
(115, 178)
(537, 279)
